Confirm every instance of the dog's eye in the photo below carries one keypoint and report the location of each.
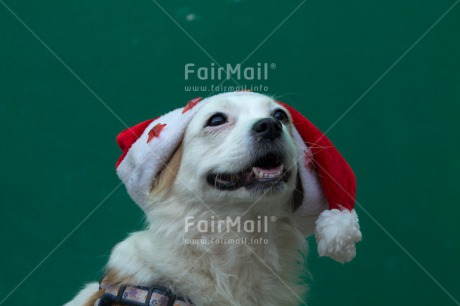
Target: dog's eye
(216, 119)
(281, 115)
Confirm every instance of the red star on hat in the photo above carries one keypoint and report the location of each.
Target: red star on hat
(191, 104)
(155, 131)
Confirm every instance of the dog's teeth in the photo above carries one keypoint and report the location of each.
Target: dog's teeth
(269, 174)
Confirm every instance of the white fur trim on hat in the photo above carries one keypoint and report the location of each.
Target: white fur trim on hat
(147, 157)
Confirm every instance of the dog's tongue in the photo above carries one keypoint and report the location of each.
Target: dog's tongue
(267, 173)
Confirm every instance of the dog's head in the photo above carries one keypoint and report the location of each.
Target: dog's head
(239, 147)
(237, 150)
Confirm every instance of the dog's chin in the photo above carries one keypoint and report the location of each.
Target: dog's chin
(265, 173)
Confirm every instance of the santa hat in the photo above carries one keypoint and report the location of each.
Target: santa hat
(328, 181)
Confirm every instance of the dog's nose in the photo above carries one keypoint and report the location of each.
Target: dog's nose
(268, 128)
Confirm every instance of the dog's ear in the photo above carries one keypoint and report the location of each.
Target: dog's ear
(165, 178)
(297, 196)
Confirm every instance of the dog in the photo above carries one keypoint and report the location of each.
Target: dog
(227, 217)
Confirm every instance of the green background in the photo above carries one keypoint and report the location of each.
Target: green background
(58, 147)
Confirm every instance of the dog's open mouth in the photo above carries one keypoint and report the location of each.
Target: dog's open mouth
(267, 171)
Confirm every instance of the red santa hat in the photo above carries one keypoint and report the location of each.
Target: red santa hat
(328, 181)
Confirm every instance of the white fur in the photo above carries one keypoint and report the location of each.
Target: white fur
(337, 231)
(222, 274)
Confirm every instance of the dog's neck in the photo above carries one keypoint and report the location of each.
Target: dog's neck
(221, 269)
(187, 218)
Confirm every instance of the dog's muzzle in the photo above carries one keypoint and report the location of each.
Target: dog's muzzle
(267, 169)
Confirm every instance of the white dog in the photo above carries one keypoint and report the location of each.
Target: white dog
(228, 209)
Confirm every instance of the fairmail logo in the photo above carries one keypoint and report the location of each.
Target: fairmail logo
(228, 71)
(228, 224)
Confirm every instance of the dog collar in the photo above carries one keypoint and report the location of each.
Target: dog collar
(140, 296)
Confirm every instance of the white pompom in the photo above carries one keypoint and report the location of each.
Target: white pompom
(337, 231)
